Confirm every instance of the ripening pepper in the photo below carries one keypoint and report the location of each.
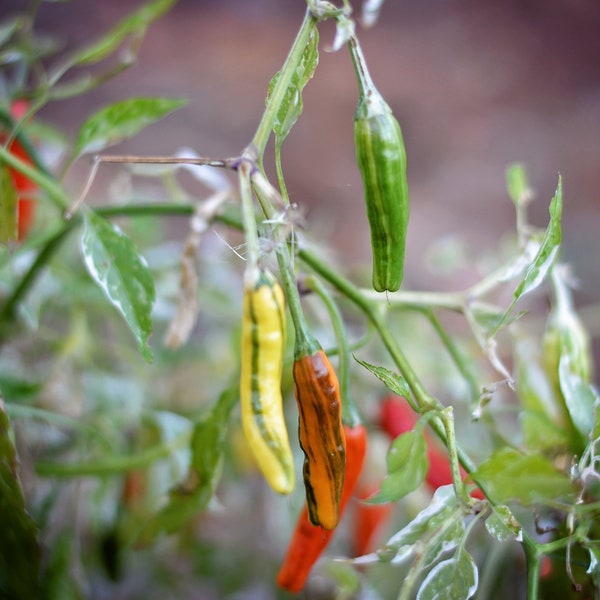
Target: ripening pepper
(321, 436)
(263, 341)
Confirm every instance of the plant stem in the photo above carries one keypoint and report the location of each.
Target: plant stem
(261, 137)
(363, 77)
(534, 563)
(459, 486)
(7, 309)
(459, 360)
(454, 301)
(114, 464)
(251, 273)
(305, 344)
(58, 196)
(424, 400)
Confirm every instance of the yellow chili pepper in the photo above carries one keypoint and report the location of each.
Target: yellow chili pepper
(263, 340)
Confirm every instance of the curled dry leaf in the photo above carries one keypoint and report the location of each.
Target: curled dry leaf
(184, 319)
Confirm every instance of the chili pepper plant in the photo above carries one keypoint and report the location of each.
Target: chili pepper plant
(209, 414)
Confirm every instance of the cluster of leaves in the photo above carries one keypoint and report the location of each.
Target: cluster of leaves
(146, 437)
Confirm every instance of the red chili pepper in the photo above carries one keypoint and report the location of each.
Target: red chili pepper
(398, 417)
(369, 520)
(308, 541)
(135, 486)
(26, 189)
(546, 567)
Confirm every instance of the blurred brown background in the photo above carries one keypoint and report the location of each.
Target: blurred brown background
(475, 85)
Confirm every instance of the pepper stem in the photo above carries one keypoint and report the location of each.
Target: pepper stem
(251, 273)
(365, 83)
(304, 344)
(350, 414)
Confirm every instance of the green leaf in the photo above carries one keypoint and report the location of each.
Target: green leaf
(290, 107)
(123, 275)
(446, 540)
(546, 255)
(526, 478)
(407, 467)
(454, 578)
(8, 27)
(121, 120)
(544, 259)
(542, 435)
(502, 525)
(580, 397)
(58, 578)
(8, 206)
(543, 418)
(192, 495)
(20, 556)
(135, 23)
(426, 525)
(517, 184)
(392, 381)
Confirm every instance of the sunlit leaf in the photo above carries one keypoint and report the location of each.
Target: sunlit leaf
(446, 540)
(544, 259)
(546, 255)
(580, 397)
(8, 206)
(526, 478)
(566, 337)
(429, 524)
(502, 525)
(407, 467)
(291, 105)
(442, 504)
(193, 494)
(489, 320)
(20, 557)
(392, 381)
(347, 580)
(542, 435)
(123, 275)
(455, 578)
(135, 23)
(120, 121)
(543, 418)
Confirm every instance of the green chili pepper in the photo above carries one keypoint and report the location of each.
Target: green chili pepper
(263, 340)
(381, 158)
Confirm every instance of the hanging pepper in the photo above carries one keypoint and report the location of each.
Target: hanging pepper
(308, 541)
(263, 340)
(321, 436)
(381, 159)
(317, 393)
